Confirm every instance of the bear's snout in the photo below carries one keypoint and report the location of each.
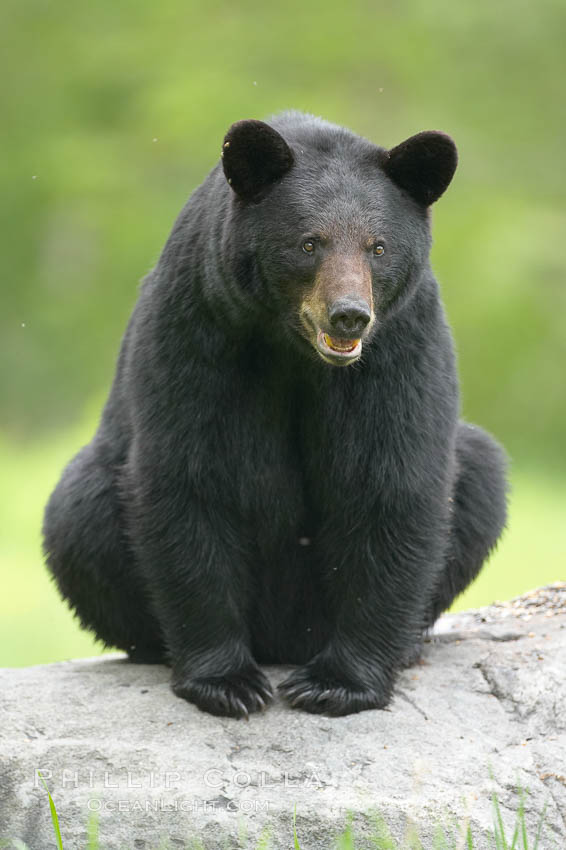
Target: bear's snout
(349, 317)
(338, 312)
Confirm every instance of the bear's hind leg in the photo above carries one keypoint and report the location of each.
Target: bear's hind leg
(479, 511)
(89, 556)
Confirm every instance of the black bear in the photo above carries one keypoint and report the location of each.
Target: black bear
(280, 474)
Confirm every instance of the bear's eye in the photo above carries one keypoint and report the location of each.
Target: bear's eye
(378, 250)
(308, 246)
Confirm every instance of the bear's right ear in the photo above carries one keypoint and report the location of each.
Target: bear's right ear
(254, 156)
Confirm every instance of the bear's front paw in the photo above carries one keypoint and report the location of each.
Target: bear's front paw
(236, 694)
(320, 692)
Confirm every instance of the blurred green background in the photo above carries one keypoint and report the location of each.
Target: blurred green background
(114, 111)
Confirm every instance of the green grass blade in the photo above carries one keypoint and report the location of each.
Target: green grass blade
(92, 832)
(521, 816)
(264, 841)
(54, 817)
(439, 841)
(500, 840)
(345, 841)
(469, 838)
(520, 824)
(412, 839)
(539, 828)
(295, 839)
(381, 840)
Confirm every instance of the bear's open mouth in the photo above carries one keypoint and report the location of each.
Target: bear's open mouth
(337, 349)
(341, 345)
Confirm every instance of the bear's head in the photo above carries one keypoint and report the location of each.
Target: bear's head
(330, 231)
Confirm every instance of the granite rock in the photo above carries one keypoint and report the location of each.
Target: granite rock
(484, 711)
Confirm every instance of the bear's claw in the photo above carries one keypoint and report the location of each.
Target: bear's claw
(308, 691)
(234, 695)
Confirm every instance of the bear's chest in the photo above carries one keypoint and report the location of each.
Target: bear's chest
(297, 452)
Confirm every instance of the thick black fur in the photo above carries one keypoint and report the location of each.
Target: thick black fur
(245, 502)
(252, 178)
(424, 165)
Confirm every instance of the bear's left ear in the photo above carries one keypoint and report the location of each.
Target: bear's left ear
(254, 156)
(423, 165)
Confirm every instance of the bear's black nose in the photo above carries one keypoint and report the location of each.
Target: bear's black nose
(349, 316)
